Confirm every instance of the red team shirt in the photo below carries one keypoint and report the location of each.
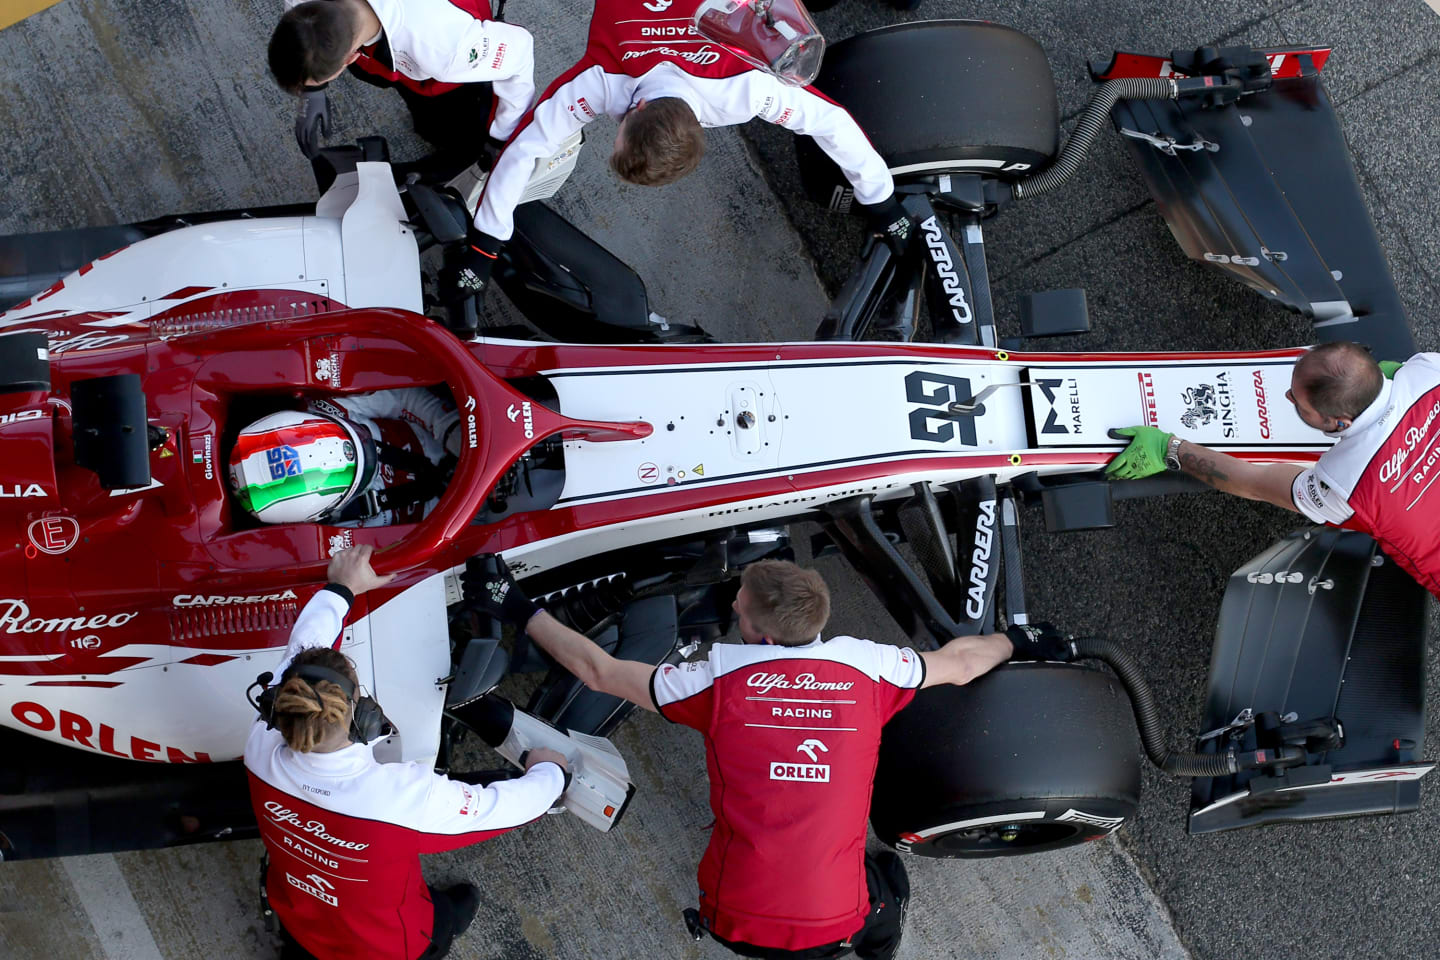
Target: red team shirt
(344, 832)
(792, 737)
(1379, 475)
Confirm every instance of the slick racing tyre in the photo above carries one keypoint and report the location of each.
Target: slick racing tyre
(938, 96)
(1030, 757)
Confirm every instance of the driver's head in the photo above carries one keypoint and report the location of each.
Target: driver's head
(297, 467)
(781, 603)
(1333, 384)
(313, 714)
(659, 142)
(314, 43)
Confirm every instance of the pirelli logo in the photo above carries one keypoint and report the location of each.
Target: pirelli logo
(801, 772)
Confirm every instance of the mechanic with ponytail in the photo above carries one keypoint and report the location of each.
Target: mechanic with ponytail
(792, 735)
(1385, 417)
(342, 832)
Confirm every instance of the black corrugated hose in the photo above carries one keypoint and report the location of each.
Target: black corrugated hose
(1087, 128)
(1147, 715)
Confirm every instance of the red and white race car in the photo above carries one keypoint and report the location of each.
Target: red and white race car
(629, 482)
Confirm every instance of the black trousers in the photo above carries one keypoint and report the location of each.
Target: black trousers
(455, 123)
(889, 889)
(442, 933)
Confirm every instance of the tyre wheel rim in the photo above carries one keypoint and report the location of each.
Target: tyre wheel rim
(993, 838)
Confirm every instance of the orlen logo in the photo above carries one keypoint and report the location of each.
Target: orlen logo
(527, 414)
(1260, 404)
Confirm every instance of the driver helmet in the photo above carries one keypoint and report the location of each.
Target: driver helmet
(297, 467)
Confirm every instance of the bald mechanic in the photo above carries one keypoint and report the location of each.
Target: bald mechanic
(1378, 476)
(792, 736)
(645, 66)
(445, 57)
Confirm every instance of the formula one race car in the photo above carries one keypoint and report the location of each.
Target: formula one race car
(629, 481)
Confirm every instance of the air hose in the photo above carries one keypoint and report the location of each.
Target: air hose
(1087, 128)
(1147, 717)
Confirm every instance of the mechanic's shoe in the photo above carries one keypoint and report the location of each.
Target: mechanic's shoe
(465, 900)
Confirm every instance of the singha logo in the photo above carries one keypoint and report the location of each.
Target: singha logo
(1201, 401)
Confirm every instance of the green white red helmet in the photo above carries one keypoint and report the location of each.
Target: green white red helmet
(297, 467)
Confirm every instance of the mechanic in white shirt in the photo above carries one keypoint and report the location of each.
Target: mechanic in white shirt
(1386, 458)
(646, 66)
(444, 56)
(343, 832)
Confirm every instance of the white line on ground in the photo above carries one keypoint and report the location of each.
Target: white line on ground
(119, 925)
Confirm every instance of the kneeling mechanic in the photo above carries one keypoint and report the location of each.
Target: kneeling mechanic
(342, 831)
(792, 734)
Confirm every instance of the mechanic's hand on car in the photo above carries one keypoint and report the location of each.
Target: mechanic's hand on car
(889, 221)
(351, 569)
(489, 585)
(545, 755)
(490, 152)
(1144, 456)
(1388, 367)
(465, 279)
(312, 121)
(1039, 641)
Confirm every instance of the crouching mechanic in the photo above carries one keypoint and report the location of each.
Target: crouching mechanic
(792, 735)
(446, 57)
(1386, 418)
(646, 67)
(342, 832)
(365, 460)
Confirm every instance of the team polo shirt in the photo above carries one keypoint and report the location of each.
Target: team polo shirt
(1379, 475)
(792, 737)
(344, 832)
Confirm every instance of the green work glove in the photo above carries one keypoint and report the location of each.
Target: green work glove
(1388, 367)
(1144, 456)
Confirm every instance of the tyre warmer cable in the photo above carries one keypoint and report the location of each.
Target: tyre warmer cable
(1147, 718)
(1088, 127)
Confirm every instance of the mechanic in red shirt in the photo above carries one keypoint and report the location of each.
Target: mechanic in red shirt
(792, 736)
(343, 832)
(1386, 418)
(445, 57)
(646, 66)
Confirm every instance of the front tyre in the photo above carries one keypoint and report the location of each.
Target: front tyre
(1029, 758)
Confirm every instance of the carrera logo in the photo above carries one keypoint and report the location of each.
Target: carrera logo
(765, 682)
(945, 267)
(196, 600)
(314, 887)
(1052, 419)
(282, 814)
(937, 390)
(980, 561)
(1260, 405)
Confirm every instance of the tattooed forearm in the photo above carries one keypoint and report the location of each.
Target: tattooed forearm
(1203, 465)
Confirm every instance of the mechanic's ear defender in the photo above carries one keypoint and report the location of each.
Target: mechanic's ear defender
(368, 722)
